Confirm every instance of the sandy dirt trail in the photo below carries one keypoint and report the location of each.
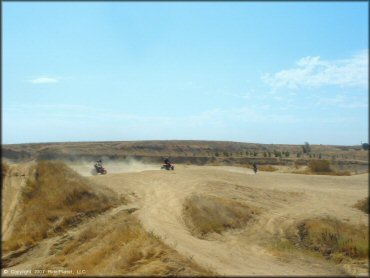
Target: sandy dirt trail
(11, 190)
(283, 199)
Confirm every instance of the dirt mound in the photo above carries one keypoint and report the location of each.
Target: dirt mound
(210, 214)
(62, 222)
(334, 240)
(120, 247)
(282, 198)
(47, 198)
(114, 242)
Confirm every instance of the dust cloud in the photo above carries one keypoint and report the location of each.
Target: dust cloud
(86, 167)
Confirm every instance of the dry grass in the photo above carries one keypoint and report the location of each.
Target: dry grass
(329, 238)
(4, 170)
(267, 168)
(208, 214)
(321, 167)
(120, 246)
(333, 238)
(54, 199)
(363, 205)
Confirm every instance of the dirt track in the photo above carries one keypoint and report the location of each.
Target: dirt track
(11, 192)
(283, 198)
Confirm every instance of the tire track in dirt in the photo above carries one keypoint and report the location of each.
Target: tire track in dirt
(160, 196)
(14, 181)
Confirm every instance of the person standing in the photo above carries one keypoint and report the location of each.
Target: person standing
(255, 168)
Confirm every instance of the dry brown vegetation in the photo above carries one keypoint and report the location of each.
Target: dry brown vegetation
(54, 199)
(118, 245)
(352, 158)
(363, 205)
(4, 170)
(65, 223)
(209, 214)
(267, 168)
(321, 167)
(328, 237)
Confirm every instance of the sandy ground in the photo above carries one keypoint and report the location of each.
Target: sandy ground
(283, 198)
(11, 190)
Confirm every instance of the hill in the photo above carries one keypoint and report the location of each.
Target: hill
(351, 158)
(58, 221)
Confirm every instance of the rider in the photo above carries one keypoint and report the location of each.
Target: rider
(167, 162)
(255, 168)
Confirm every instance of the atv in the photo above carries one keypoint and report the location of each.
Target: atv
(168, 167)
(100, 169)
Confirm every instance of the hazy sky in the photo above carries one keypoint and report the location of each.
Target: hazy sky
(285, 72)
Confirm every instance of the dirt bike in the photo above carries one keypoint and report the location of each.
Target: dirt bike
(168, 167)
(100, 169)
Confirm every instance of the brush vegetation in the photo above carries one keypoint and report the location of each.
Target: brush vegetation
(321, 167)
(118, 245)
(267, 168)
(52, 200)
(209, 214)
(4, 170)
(363, 205)
(329, 238)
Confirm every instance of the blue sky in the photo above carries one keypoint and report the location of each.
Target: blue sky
(283, 73)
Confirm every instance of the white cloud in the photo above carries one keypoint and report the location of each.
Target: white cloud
(44, 80)
(315, 72)
(342, 101)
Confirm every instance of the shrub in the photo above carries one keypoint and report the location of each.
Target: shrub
(330, 237)
(319, 166)
(363, 205)
(209, 214)
(267, 168)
